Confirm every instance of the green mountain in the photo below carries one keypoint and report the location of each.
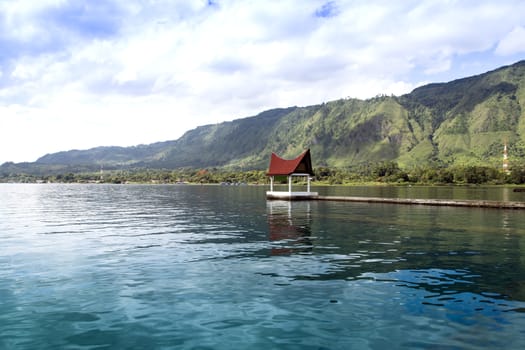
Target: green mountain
(466, 121)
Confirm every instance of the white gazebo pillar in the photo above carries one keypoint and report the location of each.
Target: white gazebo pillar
(308, 183)
(290, 183)
(271, 183)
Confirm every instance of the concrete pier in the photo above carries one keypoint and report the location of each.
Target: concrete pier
(410, 201)
(291, 196)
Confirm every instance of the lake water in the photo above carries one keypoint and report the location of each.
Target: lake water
(211, 267)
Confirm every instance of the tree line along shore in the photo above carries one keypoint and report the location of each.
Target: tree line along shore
(387, 172)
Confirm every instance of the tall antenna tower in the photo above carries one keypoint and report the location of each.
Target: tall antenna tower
(505, 159)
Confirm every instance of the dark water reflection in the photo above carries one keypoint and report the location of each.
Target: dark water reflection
(289, 229)
(443, 249)
(464, 266)
(90, 267)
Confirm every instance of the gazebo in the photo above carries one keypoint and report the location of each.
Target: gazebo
(297, 167)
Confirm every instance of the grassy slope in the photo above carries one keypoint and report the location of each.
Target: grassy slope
(465, 121)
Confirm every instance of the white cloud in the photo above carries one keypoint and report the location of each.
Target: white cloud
(513, 43)
(129, 72)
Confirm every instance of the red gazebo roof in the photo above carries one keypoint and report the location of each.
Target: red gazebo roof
(299, 165)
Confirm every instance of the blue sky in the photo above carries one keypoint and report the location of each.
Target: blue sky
(81, 74)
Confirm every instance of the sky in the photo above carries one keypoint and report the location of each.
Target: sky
(82, 74)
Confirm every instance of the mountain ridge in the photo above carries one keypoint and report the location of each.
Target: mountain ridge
(465, 121)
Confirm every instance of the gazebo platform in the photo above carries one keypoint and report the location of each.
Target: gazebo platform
(291, 196)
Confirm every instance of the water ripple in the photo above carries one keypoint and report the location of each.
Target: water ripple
(90, 267)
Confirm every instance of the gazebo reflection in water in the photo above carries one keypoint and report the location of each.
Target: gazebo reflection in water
(289, 226)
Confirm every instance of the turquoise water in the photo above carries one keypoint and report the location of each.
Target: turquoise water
(210, 267)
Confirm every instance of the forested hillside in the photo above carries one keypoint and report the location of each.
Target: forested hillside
(463, 122)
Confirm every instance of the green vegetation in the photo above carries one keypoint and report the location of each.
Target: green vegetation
(390, 173)
(431, 132)
(200, 176)
(387, 172)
